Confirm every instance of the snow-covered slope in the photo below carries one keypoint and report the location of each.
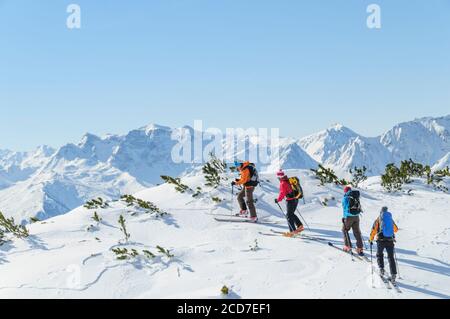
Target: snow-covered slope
(64, 259)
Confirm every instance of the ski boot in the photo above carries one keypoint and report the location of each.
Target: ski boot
(393, 279)
(289, 234)
(254, 220)
(299, 230)
(382, 272)
(360, 252)
(243, 213)
(347, 249)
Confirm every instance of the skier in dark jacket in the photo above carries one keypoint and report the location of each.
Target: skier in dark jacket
(383, 231)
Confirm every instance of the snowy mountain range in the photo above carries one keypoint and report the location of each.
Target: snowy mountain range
(425, 140)
(48, 182)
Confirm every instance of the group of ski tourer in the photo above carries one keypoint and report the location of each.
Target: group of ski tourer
(383, 230)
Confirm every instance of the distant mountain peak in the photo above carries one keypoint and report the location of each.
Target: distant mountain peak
(336, 127)
(89, 138)
(155, 127)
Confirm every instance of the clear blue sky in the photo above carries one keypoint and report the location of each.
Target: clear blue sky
(298, 65)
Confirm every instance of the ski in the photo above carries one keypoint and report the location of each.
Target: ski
(270, 234)
(385, 282)
(345, 252)
(280, 234)
(301, 236)
(242, 220)
(395, 286)
(225, 217)
(366, 259)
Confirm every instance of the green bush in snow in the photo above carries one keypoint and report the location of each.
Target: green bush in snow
(124, 254)
(179, 187)
(148, 207)
(392, 179)
(34, 220)
(96, 203)
(328, 176)
(96, 218)
(395, 177)
(127, 254)
(225, 290)
(164, 251)
(123, 228)
(213, 171)
(7, 225)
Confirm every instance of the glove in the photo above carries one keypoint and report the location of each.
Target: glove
(233, 183)
(371, 243)
(276, 201)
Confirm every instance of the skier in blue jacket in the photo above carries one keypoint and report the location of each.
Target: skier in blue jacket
(351, 221)
(383, 231)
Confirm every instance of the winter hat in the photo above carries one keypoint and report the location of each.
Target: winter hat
(384, 209)
(280, 173)
(237, 164)
(347, 189)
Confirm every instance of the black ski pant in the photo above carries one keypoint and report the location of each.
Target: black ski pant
(293, 221)
(389, 246)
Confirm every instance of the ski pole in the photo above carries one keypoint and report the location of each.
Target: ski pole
(285, 216)
(371, 263)
(304, 220)
(281, 209)
(232, 198)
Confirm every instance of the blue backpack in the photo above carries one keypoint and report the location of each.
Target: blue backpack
(386, 225)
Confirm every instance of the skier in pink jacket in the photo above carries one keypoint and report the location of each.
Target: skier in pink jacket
(286, 191)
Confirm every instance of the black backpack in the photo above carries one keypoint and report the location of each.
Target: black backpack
(254, 176)
(355, 203)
